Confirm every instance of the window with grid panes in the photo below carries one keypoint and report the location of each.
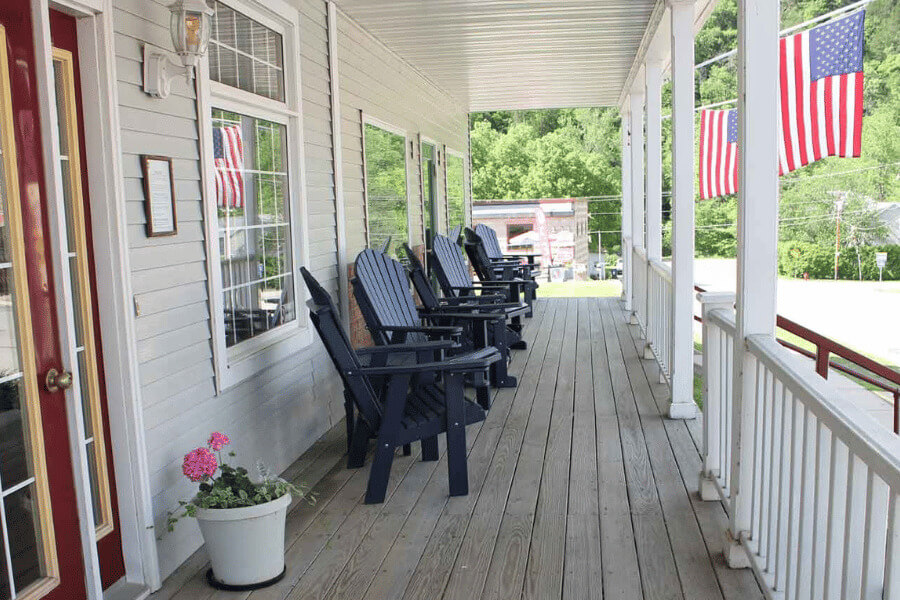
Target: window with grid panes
(252, 192)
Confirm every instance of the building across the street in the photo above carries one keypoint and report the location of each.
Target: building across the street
(557, 228)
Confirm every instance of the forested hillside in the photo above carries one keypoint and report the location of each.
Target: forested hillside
(575, 152)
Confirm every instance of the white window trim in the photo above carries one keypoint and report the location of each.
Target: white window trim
(370, 120)
(240, 362)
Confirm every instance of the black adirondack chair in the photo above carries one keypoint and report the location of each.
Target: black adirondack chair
(493, 272)
(495, 253)
(505, 267)
(452, 273)
(432, 303)
(392, 412)
(385, 299)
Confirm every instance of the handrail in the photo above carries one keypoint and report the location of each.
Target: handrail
(724, 321)
(640, 252)
(879, 450)
(664, 270)
(825, 347)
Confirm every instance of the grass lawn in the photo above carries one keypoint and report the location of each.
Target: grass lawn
(581, 289)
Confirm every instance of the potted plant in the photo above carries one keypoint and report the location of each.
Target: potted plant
(242, 521)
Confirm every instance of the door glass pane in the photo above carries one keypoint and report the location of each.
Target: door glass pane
(15, 456)
(81, 308)
(20, 509)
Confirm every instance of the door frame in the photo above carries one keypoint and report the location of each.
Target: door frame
(113, 294)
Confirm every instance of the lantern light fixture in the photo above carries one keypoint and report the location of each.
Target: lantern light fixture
(190, 24)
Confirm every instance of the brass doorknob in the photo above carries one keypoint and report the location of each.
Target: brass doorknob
(56, 381)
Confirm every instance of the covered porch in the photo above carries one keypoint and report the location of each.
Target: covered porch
(580, 487)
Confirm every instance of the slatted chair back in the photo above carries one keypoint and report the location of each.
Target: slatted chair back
(478, 256)
(449, 265)
(323, 314)
(420, 280)
(489, 238)
(454, 234)
(382, 291)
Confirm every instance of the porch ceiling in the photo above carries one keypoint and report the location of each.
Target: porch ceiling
(515, 54)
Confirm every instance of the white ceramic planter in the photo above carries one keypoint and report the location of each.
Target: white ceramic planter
(245, 545)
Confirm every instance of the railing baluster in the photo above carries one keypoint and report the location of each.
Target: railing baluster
(877, 499)
(892, 556)
(787, 443)
(853, 521)
(778, 408)
(803, 567)
(822, 466)
(758, 399)
(765, 489)
(837, 502)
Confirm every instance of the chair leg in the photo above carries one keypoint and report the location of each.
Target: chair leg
(348, 409)
(359, 443)
(407, 450)
(499, 373)
(380, 472)
(457, 469)
(483, 395)
(529, 299)
(430, 448)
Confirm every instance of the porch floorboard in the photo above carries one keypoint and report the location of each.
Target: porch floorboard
(579, 488)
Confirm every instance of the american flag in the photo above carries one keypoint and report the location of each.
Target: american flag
(821, 92)
(228, 156)
(718, 153)
(821, 106)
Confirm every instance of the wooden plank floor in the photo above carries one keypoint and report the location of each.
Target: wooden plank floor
(579, 488)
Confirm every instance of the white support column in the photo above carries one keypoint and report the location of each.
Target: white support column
(637, 185)
(626, 203)
(682, 405)
(757, 247)
(653, 182)
(653, 178)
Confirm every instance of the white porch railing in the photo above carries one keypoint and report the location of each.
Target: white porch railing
(639, 286)
(819, 492)
(659, 314)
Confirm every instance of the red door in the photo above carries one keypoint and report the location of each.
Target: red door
(41, 541)
(84, 347)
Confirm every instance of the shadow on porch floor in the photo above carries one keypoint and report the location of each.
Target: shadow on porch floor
(577, 485)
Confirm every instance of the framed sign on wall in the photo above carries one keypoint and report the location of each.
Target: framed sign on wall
(159, 196)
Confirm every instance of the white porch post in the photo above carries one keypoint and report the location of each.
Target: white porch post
(637, 186)
(653, 183)
(682, 405)
(653, 178)
(626, 203)
(757, 231)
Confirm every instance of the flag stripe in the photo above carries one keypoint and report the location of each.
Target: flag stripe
(799, 93)
(858, 112)
(785, 121)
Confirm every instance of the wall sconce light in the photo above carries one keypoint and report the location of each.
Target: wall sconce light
(190, 26)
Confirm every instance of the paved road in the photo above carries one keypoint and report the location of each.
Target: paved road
(861, 314)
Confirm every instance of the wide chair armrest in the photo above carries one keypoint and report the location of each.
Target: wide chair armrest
(435, 329)
(472, 316)
(404, 348)
(456, 300)
(461, 363)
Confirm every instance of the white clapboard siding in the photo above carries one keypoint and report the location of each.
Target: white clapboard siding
(278, 413)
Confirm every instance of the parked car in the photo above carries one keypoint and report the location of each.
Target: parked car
(617, 270)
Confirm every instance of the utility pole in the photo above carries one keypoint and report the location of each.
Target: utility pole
(839, 208)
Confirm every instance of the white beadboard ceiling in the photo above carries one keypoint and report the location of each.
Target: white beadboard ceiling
(515, 54)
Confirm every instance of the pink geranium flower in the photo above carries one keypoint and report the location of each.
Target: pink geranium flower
(199, 464)
(217, 441)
